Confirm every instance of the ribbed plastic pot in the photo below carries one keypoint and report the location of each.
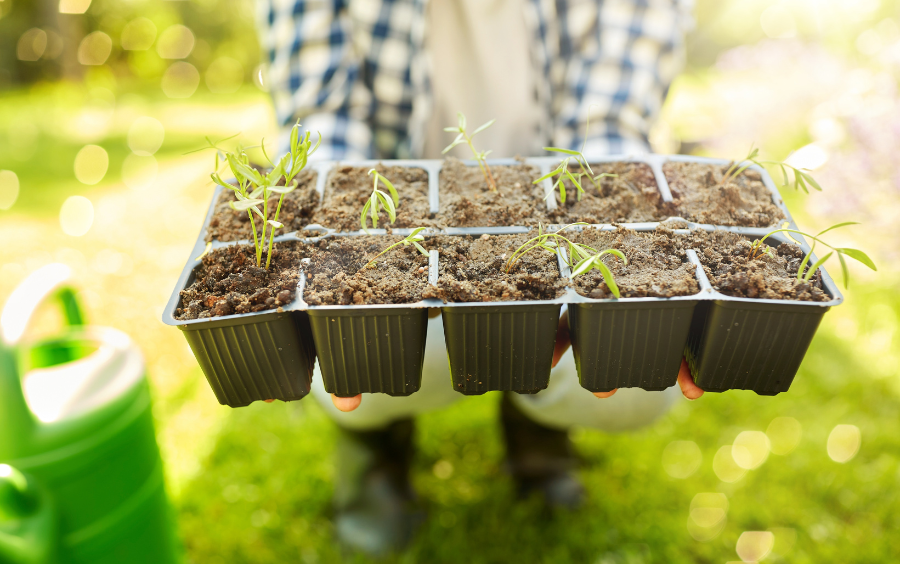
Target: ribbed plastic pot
(253, 357)
(740, 345)
(753, 344)
(505, 347)
(629, 344)
(370, 350)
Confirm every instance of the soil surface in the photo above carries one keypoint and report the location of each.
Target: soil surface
(229, 282)
(335, 273)
(727, 263)
(296, 210)
(657, 264)
(631, 196)
(473, 270)
(466, 199)
(699, 197)
(350, 187)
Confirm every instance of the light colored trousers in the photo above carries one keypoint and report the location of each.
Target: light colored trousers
(562, 405)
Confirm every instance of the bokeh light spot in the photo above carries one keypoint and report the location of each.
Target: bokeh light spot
(138, 35)
(76, 216)
(750, 449)
(707, 515)
(94, 49)
(843, 443)
(784, 435)
(725, 467)
(145, 136)
(139, 172)
(681, 459)
(74, 6)
(9, 189)
(91, 164)
(443, 469)
(809, 157)
(753, 546)
(224, 75)
(180, 80)
(31, 44)
(175, 42)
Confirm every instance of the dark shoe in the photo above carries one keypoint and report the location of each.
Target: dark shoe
(374, 500)
(540, 459)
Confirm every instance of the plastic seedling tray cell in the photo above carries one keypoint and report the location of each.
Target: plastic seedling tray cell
(753, 344)
(630, 342)
(376, 348)
(252, 356)
(501, 345)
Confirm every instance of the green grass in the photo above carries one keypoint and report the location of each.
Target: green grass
(263, 494)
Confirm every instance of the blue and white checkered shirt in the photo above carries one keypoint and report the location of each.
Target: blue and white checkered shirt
(355, 71)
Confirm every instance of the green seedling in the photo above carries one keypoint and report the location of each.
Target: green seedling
(254, 187)
(412, 239)
(806, 275)
(379, 199)
(802, 177)
(480, 156)
(562, 171)
(581, 259)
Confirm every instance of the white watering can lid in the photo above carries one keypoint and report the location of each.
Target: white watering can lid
(68, 390)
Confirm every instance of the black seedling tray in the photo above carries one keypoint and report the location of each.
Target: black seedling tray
(632, 342)
(753, 344)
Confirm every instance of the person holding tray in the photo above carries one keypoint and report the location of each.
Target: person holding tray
(380, 79)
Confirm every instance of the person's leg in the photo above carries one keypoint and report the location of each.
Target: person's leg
(374, 500)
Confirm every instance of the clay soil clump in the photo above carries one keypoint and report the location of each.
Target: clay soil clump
(466, 199)
(229, 282)
(296, 211)
(700, 197)
(473, 270)
(658, 266)
(335, 273)
(631, 196)
(727, 263)
(349, 187)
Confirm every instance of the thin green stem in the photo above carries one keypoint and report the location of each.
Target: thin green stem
(272, 233)
(482, 164)
(382, 252)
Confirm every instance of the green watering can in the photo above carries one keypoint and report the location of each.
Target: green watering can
(81, 478)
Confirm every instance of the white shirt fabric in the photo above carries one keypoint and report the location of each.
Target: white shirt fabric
(480, 62)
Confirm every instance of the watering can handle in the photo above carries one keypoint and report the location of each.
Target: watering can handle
(37, 287)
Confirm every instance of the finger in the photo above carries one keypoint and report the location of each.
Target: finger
(269, 401)
(562, 339)
(690, 390)
(603, 395)
(346, 404)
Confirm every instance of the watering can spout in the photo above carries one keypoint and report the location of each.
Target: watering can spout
(16, 419)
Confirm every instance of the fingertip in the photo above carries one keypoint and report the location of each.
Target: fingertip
(689, 389)
(346, 404)
(604, 395)
(269, 400)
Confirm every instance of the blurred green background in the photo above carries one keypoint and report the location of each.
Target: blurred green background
(99, 101)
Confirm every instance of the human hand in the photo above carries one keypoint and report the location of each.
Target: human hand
(689, 389)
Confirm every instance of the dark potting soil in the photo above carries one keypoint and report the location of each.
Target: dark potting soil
(229, 282)
(335, 273)
(727, 263)
(466, 199)
(630, 196)
(349, 188)
(657, 264)
(699, 197)
(296, 210)
(473, 270)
